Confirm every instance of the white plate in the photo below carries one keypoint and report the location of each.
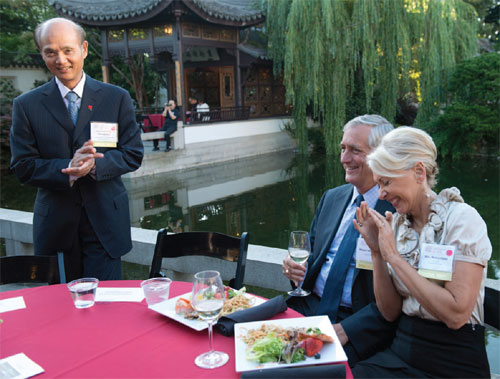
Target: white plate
(167, 308)
(331, 352)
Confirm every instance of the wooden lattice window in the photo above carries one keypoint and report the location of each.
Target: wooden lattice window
(191, 30)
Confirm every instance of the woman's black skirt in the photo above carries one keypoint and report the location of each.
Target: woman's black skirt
(423, 348)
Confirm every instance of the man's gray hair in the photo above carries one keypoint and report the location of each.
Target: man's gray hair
(40, 29)
(380, 127)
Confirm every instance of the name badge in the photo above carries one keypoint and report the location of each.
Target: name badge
(104, 134)
(436, 261)
(363, 255)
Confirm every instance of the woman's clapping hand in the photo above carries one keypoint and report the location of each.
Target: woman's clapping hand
(366, 226)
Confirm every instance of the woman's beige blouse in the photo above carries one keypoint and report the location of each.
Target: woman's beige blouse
(451, 222)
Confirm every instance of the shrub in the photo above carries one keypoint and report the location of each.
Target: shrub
(470, 121)
(7, 94)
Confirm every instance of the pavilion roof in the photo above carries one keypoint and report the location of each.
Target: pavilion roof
(114, 12)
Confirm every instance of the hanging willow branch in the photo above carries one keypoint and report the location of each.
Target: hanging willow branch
(322, 46)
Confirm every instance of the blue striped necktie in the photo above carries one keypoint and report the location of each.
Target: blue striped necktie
(72, 97)
(334, 286)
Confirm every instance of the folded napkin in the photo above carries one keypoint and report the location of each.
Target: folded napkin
(323, 371)
(266, 310)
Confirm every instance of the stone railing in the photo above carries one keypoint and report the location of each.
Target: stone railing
(263, 263)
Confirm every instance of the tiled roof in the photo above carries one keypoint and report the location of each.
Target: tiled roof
(232, 10)
(16, 59)
(102, 11)
(255, 52)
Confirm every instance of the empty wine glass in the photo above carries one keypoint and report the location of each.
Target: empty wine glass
(208, 299)
(299, 249)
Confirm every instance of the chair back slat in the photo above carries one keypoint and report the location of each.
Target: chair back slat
(210, 244)
(492, 307)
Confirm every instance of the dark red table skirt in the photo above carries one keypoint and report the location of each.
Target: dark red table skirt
(109, 340)
(156, 124)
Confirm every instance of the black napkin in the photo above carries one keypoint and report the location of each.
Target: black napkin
(266, 310)
(323, 371)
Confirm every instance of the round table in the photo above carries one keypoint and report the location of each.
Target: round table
(115, 339)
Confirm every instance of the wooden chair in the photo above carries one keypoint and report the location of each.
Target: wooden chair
(210, 244)
(32, 269)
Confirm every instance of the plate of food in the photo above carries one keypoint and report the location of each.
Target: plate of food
(285, 343)
(179, 308)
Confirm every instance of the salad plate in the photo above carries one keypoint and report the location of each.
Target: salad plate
(167, 308)
(329, 353)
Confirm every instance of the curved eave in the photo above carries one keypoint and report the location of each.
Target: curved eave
(224, 20)
(118, 20)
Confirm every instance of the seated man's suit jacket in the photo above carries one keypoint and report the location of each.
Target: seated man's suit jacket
(367, 330)
(43, 141)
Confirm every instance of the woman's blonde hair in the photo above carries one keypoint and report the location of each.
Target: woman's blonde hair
(401, 149)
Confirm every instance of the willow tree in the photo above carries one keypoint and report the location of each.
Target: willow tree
(323, 46)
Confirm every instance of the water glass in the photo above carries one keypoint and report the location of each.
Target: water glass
(156, 290)
(83, 291)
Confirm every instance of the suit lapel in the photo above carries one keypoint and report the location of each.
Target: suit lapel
(55, 105)
(92, 96)
(340, 203)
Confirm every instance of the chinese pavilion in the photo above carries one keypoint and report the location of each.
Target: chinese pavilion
(196, 43)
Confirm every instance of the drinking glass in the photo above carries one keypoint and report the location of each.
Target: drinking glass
(207, 299)
(299, 249)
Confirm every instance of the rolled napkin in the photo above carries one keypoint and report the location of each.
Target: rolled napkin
(225, 325)
(323, 371)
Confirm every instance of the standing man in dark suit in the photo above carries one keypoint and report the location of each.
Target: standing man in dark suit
(345, 293)
(81, 207)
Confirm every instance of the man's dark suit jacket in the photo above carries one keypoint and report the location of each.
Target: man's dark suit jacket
(43, 141)
(366, 328)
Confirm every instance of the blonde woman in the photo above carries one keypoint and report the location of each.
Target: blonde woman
(429, 265)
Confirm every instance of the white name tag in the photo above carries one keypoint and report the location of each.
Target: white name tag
(363, 255)
(104, 134)
(436, 261)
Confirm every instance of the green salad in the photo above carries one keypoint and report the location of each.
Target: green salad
(271, 343)
(273, 349)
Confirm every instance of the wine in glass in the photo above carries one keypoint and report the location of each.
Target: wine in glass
(208, 299)
(299, 249)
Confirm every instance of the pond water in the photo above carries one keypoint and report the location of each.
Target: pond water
(269, 196)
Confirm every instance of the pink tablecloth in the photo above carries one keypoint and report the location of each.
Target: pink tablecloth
(109, 340)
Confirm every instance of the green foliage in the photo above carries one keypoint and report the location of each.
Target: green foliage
(332, 51)
(470, 120)
(19, 19)
(7, 94)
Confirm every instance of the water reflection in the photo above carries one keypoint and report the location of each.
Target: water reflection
(271, 195)
(267, 196)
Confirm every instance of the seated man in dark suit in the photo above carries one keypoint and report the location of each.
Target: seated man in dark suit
(338, 288)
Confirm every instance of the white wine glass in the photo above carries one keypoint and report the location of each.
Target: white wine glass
(299, 249)
(208, 299)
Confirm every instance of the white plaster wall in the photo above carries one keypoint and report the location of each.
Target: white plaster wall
(24, 78)
(219, 131)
